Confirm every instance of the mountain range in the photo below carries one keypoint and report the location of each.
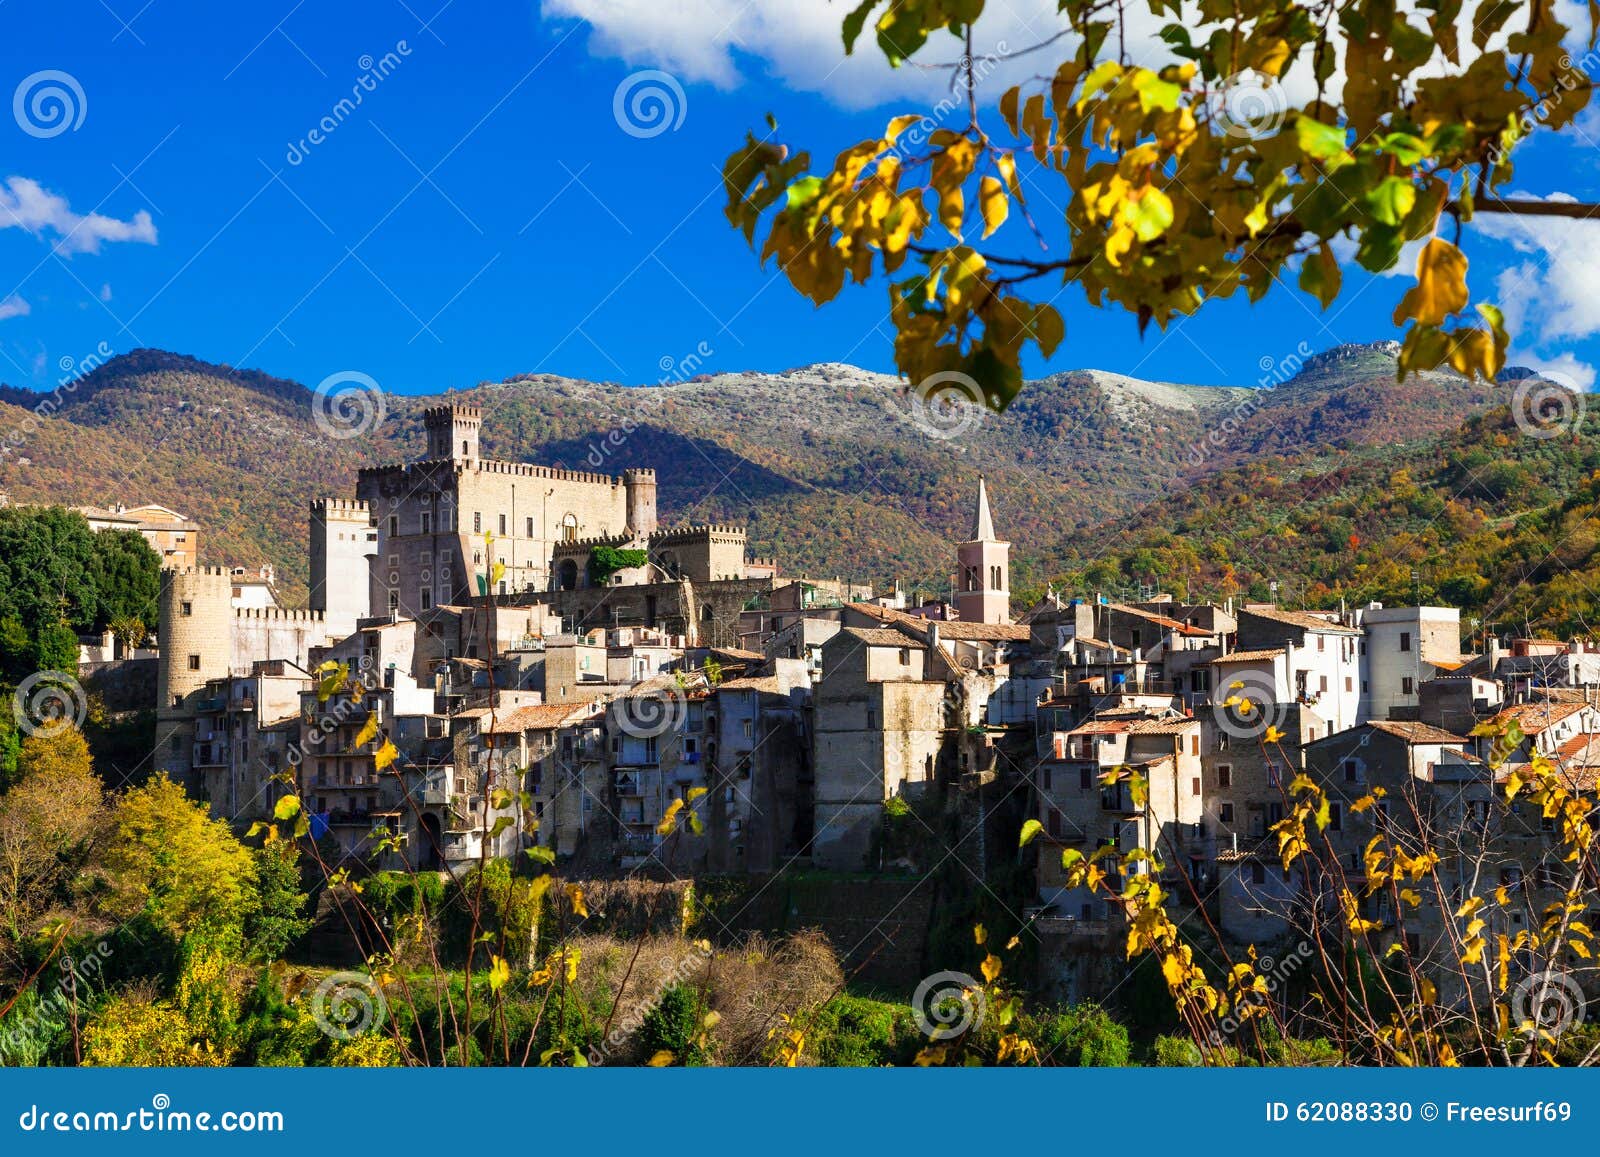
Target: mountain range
(833, 469)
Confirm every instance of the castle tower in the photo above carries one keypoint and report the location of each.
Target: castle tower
(196, 641)
(983, 593)
(641, 500)
(344, 542)
(453, 432)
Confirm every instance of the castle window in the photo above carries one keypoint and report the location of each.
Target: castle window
(394, 601)
(427, 598)
(427, 523)
(502, 524)
(464, 448)
(530, 528)
(194, 662)
(569, 528)
(186, 608)
(477, 521)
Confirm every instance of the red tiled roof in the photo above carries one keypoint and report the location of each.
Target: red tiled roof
(1249, 656)
(1305, 620)
(1415, 732)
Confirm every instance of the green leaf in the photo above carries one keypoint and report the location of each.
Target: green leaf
(286, 808)
(1029, 830)
(541, 855)
(1152, 214)
(1392, 200)
(1323, 142)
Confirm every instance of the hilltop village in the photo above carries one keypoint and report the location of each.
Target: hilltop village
(537, 668)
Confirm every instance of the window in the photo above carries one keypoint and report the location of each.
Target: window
(1055, 824)
(1225, 813)
(186, 608)
(477, 521)
(905, 656)
(872, 719)
(427, 523)
(569, 528)
(1405, 685)
(1405, 640)
(1046, 778)
(502, 524)
(194, 662)
(1349, 771)
(1194, 745)
(1335, 817)
(1258, 873)
(530, 529)
(1085, 778)
(425, 599)
(1224, 775)
(1349, 684)
(1194, 786)
(1322, 684)
(394, 600)
(1322, 642)
(394, 526)
(749, 729)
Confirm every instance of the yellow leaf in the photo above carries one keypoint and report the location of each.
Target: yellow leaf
(991, 968)
(499, 973)
(661, 1059)
(369, 729)
(1441, 287)
(385, 755)
(993, 202)
(980, 934)
(575, 895)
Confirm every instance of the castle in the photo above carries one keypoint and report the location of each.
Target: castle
(447, 531)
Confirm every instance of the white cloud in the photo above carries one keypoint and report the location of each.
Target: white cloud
(26, 204)
(1564, 370)
(799, 41)
(14, 306)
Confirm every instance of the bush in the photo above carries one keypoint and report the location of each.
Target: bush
(856, 1031)
(1081, 1036)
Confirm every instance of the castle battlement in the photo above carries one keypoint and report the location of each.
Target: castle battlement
(491, 466)
(281, 615)
(199, 571)
(685, 534)
(350, 506)
(581, 544)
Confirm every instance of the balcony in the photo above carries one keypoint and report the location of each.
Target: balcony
(242, 704)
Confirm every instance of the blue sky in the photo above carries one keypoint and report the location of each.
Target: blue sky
(482, 212)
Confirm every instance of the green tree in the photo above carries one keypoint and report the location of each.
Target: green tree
(127, 577)
(170, 861)
(47, 568)
(55, 648)
(280, 915)
(1160, 189)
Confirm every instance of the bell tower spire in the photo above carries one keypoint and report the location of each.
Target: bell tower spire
(983, 586)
